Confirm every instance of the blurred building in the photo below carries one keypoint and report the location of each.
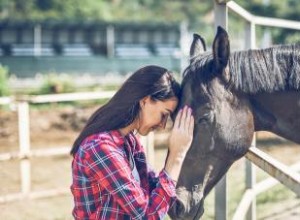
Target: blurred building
(28, 48)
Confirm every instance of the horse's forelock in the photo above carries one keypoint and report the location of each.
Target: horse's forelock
(199, 68)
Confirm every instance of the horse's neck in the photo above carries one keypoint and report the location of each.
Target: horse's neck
(265, 70)
(278, 113)
(282, 61)
(282, 55)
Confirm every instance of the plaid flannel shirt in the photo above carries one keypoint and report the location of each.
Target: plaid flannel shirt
(103, 184)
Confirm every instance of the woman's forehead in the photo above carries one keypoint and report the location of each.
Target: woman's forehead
(170, 104)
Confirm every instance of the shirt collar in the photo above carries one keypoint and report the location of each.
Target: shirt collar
(118, 138)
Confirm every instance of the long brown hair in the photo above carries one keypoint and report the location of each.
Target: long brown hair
(122, 109)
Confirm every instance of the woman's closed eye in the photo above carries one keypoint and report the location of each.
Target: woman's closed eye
(164, 119)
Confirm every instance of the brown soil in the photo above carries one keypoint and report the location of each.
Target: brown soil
(48, 128)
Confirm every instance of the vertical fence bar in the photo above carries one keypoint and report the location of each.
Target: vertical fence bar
(148, 144)
(250, 37)
(221, 15)
(250, 43)
(37, 40)
(24, 143)
(250, 183)
(221, 19)
(110, 41)
(221, 199)
(184, 44)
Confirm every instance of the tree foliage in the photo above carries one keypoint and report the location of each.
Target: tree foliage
(107, 10)
(195, 12)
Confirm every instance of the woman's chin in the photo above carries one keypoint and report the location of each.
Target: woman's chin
(145, 132)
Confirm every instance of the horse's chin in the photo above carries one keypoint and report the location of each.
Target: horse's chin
(176, 213)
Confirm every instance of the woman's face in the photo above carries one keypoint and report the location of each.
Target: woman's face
(154, 114)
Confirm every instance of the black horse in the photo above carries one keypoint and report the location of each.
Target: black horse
(232, 96)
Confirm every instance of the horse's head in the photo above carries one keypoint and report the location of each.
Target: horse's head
(223, 125)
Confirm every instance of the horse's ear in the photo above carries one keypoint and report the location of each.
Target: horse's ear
(221, 49)
(198, 46)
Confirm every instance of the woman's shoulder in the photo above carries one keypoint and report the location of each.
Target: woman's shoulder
(105, 139)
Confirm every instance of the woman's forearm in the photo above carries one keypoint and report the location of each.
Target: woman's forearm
(173, 165)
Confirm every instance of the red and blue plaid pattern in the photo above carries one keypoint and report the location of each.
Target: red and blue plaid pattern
(105, 188)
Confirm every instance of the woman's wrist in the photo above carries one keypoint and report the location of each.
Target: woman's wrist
(168, 175)
(173, 166)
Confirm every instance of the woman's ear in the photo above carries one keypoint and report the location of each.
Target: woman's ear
(144, 100)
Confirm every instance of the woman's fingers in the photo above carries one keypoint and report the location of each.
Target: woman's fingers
(184, 119)
(178, 119)
(191, 125)
(188, 118)
(186, 114)
(182, 133)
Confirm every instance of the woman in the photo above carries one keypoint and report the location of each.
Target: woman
(111, 179)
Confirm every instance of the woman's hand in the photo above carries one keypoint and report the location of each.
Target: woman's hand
(182, 132)
(180, 142)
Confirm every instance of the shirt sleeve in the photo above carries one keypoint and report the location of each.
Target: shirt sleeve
(108, 164)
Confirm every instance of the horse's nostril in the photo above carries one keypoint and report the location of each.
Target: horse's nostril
(180, 209)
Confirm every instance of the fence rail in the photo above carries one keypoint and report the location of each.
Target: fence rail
(57, 151)
(5, 100)
(276, 169)
(66, 97)
(279, 171)
(262, 21)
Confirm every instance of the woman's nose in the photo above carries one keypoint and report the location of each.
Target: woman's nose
(162, 124)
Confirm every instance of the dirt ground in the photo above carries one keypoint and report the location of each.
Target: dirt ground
(58, 127)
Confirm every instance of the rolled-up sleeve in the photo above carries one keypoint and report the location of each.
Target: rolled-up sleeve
(108, 164)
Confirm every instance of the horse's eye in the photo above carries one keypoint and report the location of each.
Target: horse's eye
(205, 118)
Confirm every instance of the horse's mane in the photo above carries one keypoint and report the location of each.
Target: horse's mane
(252, 71)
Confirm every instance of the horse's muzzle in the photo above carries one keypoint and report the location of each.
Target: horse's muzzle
(177, 210)
(186, 210)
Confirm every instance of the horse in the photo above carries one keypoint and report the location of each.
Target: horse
(233, 95)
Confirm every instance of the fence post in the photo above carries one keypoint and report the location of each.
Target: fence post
(250, 37)
(221, 14)
(110, 41)
(221, 199)
(148, 144)
(250, 183)
(221, 19)
(24, 143)
(184, 49)
(250, 41)
(37, 33)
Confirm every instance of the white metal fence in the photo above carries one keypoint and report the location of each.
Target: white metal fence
(286, 175)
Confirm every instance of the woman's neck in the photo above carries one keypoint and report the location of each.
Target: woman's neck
(125, 131)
